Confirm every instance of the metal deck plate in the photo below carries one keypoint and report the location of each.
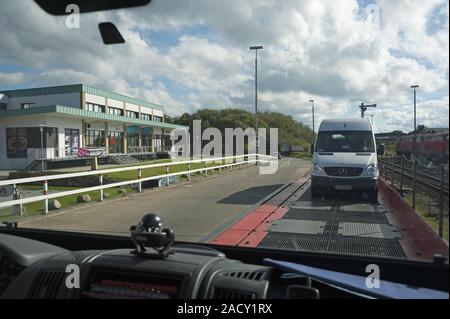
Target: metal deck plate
(297, 242)
(312, 205)
(339, 225)
(368, 208)
(360, 230)
(368, 230)
(306, 214)
(361, 217)
(344, 245)
(298, 226)
(380, 247)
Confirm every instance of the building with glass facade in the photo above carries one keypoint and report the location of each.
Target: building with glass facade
(77, 121)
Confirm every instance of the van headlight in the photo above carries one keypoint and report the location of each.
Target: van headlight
(317, 170)
(371, 171)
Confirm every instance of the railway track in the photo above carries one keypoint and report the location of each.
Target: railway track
(426, 178)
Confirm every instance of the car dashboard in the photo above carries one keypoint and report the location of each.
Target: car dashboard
(30, 269)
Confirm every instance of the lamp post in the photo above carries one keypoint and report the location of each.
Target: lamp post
(41, 129)
(313, 122)
(414, 87)
(256, 48)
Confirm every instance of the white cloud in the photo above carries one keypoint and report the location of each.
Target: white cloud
(12, 78)
(323, 50)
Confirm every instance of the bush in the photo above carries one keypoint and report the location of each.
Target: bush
(82, 181)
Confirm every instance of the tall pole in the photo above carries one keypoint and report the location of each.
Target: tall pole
(256, 101)
(256, 48)
(414, 87)
(41, 128)
(313, 123)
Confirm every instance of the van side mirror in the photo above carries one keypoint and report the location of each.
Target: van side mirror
(380, 149)
(312, 149)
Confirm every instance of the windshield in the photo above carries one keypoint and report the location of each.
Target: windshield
(345, 142)
(206, 116)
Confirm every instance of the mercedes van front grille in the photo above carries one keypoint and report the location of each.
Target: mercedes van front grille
(343, 171)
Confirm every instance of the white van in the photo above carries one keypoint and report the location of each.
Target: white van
(345, 157)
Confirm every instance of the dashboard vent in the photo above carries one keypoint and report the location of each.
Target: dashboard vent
(249, 275)
(47, 285)
(74, 257)
(220, 293)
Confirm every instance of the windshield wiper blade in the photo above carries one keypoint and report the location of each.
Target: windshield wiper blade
(357, 284)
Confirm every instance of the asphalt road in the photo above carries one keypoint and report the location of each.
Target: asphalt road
(194, 210)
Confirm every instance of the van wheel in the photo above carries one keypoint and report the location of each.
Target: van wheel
(315, 193)
(373, 195)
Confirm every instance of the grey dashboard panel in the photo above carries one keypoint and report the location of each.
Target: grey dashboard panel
(25, 251)
(193, 272)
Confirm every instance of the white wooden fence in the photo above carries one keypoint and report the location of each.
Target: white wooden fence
(225, 163)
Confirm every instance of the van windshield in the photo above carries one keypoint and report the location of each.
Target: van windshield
(345, 142)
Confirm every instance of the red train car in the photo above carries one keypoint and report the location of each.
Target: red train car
(433, 146)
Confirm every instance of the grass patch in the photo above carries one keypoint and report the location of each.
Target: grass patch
(37, 208)
(302, 155)
(422, 210)
(155, 171)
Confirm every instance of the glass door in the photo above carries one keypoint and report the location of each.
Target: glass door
(71, 141)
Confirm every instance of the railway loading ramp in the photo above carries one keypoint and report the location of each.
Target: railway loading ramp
(338, 224)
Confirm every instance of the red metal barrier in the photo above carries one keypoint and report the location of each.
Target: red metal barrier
(420, 241)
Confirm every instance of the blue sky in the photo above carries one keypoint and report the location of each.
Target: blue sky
(192, 55)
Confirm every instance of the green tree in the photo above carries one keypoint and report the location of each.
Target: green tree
(290, 131)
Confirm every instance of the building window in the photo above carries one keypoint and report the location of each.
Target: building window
(95, 138)
(95, 108)
(71, 141)
(157, 142)
(25, 106)
(2, 106)
(115, 111)
(132, 114)
(146, 117)
(132, 141)
(16, 142)
(115, 140)
(166, 143)
(157, 118)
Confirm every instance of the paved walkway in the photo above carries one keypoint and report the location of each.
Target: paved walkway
(193, 210)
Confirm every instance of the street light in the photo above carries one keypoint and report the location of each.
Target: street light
(41, 129)
(313, 128)
(414, 87)
(256, 48)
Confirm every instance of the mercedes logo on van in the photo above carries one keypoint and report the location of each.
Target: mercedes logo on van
(342, 171)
